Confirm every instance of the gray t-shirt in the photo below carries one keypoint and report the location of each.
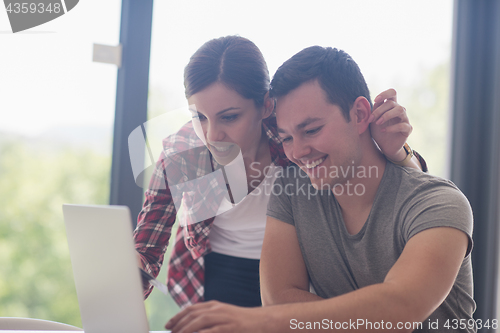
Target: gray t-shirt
(407, 202)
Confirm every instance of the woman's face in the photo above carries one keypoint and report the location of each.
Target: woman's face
(226, 122)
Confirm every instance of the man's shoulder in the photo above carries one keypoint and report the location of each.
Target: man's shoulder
(423, 201)
(415, 180)
(418, 189)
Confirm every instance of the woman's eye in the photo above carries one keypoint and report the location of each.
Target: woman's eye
(286, 139)
(230, 118)
(199, 116)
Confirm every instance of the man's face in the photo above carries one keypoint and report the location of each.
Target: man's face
(316, 135)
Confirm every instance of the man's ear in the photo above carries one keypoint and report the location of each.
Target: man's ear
(269, 104)
(361, 111)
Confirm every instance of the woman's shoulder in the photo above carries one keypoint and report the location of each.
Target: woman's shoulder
(184, 154)
(184, 139)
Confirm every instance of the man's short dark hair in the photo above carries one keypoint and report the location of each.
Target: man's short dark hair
(337, 73)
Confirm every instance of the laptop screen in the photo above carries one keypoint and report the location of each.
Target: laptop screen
(107, 278)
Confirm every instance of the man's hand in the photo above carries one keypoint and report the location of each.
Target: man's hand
(213, 316)
(390, 126)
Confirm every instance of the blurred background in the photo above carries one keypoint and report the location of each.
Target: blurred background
(57, 110)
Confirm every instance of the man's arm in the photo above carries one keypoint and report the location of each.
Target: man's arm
(415, 286)
(283, 273)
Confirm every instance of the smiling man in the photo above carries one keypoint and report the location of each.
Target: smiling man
(394, 250)
(384, 247)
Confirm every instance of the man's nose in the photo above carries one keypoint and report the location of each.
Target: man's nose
(300, 149)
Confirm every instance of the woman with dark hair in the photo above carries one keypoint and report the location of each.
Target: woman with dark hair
(214, 175)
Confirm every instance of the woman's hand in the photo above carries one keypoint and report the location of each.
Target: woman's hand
(390, 126)
(140, 264)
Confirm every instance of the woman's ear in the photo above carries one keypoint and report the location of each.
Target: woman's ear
(361, 111)
(269, 104)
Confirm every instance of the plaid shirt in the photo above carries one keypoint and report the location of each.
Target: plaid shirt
(185, 158)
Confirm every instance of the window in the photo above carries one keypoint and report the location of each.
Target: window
(57, 109)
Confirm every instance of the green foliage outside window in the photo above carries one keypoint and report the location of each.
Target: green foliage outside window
(36, 279)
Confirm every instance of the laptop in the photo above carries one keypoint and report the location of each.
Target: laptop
(107, 277)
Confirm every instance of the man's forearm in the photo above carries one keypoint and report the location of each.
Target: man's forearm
(292, 295)
(375, 304)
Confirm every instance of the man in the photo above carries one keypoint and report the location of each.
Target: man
(384, 247)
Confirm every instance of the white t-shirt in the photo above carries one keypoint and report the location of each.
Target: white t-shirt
(239, 231)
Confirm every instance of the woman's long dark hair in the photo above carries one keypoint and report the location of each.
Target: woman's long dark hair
(232, 60)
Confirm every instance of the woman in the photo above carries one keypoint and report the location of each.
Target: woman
(208, 168)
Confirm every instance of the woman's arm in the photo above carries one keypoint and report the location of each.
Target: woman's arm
(154, 223)
(390, 127)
